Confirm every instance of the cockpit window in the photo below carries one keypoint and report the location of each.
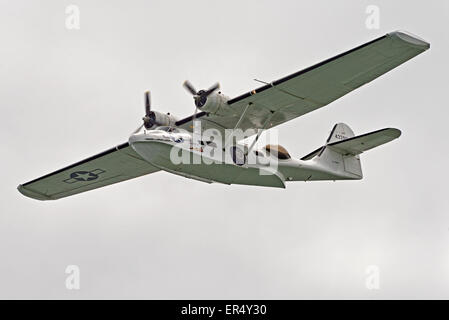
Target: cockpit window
(278, 151)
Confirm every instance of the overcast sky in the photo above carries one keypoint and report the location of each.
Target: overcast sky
(68, 94)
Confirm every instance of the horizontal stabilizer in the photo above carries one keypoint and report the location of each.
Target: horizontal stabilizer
(358, 144)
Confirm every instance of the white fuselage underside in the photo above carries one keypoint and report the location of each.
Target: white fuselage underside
(179, 154)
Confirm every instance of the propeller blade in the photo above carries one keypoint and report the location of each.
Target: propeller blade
(147, 103)
(212, 89)
(189, 87)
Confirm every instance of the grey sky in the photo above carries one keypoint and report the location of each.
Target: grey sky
(69, 94)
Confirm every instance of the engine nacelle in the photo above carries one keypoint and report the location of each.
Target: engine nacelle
(162, 119)
(216, 103)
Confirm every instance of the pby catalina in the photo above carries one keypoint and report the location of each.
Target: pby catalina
(204, 146)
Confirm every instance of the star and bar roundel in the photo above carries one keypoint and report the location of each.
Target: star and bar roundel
(84, 176)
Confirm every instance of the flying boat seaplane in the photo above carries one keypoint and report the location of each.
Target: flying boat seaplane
(204, 146)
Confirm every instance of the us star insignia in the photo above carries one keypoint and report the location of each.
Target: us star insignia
(84, 176)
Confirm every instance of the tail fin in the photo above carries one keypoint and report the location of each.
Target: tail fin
(341, 152)
(339, 132)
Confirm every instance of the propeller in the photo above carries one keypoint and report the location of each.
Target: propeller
(148, 119)
(200, 97)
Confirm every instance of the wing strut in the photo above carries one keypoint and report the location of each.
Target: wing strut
(237, 125)
(259, 132)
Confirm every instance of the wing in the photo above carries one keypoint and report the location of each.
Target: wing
(314, 87)
(111, 166)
